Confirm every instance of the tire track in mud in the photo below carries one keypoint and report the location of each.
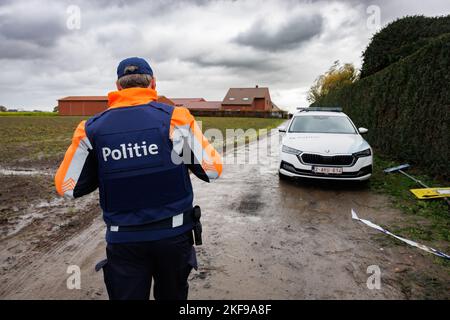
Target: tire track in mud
(34, 256)
(272, 239)
(44, 276)
(263, 239)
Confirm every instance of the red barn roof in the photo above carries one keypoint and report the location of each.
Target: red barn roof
(84, 98)
(204, 105)
(184, 101)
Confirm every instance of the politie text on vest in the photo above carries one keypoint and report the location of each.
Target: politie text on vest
(130, 151)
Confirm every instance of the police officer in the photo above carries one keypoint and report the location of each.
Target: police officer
(139, 153)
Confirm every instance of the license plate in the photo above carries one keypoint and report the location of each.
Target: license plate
(327, 170)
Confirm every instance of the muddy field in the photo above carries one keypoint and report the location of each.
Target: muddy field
(263, 239)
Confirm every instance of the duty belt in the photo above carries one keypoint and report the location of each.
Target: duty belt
(172, 222)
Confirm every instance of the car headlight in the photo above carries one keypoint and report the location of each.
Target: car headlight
(364, 153)
(290, 150)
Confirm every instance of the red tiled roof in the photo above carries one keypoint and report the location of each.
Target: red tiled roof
(204, 105)
(243, 96)
(183, 101)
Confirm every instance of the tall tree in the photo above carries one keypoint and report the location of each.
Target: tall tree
(336, 77)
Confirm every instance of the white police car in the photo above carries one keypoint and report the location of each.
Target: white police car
(324, 144)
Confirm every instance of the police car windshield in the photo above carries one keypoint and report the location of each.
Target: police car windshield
(322, 124)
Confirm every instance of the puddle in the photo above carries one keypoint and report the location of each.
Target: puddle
(250, 206)
(23, 222)
(55, 208)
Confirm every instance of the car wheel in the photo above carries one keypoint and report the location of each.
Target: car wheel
(365, 184)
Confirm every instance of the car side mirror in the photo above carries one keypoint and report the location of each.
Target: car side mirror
(363, 130)
(282, 129)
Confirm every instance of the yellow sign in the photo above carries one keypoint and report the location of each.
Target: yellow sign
(431, 193)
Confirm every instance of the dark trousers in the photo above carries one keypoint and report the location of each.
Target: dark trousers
(130, 267)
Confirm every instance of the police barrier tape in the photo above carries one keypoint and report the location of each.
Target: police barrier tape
(411, 243)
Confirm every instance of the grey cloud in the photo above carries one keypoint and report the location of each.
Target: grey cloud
(356, 2)
(292, 34)
(145, 7)
(256, 63)
(41, 30)
(14, 49)
(183, 40)
(28, 32)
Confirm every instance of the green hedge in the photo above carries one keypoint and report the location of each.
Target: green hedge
(406, 107)
(401, 38)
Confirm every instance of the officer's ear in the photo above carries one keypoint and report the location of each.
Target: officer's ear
(153, 83)
(119, 87)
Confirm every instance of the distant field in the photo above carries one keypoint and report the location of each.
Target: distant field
(238, 123)
(40, 141)
(28, 114)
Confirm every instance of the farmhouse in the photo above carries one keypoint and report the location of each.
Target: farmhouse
(236, 101)
(249, 99)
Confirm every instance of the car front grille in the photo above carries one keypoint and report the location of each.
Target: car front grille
(341, 160)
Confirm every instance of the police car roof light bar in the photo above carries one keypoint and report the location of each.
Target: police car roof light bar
(333, 109)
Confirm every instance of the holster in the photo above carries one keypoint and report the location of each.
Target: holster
(197, 225)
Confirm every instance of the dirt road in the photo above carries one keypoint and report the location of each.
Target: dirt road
(263, 239)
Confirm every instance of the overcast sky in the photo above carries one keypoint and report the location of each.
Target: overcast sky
(196, 48)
